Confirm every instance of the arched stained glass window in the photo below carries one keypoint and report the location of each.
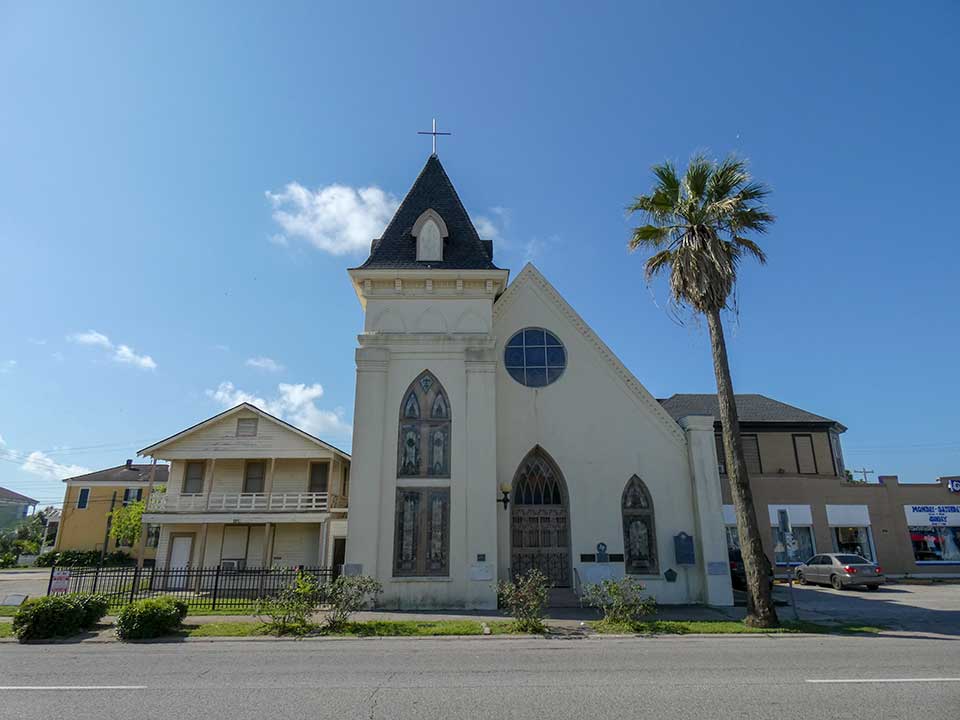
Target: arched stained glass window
(639, 530)
(423, 445)
(535, 357)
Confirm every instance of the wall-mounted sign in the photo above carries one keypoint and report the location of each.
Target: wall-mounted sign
(59, 581)
(933, 515)
(953, 485)
(602, 555)
(683, 549)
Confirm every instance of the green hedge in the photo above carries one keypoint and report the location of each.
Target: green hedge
(58, 615)
(150, 618)
(82, 558)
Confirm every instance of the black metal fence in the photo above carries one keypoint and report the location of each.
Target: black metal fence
(203, 588)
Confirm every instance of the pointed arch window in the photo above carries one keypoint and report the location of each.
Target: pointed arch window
(423, 445)
(639, 530)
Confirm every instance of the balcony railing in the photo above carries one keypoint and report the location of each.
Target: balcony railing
(245, 502)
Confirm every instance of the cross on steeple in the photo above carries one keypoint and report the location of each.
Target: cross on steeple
(434, 133)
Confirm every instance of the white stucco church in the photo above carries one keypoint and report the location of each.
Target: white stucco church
(495, 432)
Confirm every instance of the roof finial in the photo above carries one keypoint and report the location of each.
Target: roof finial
(434, 133)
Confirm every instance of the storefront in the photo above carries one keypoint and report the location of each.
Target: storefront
(934, 533)
(850, 530)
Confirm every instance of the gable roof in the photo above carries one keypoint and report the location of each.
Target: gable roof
(237, 408)
(750, 408)
(462, 250)
(124, 475)
(530, 275)
(11, 496)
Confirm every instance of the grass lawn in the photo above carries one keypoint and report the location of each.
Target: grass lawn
(8, 610)
(685, 627)
(376, 628)
(6, 630)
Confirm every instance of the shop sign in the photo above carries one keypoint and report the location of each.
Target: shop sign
(59, 581)
(933, 515)
(953, 485)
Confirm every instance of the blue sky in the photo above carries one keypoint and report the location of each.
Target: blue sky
(184, 185)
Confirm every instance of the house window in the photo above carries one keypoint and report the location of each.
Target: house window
(751, 454)
(132, 495)
(639, 532)
(421, 543)
(535, 357)
(83, 498)
(423, 444)
(803, 534)
(193, 478)
(721, 454)
(935, 544)
(319, 477)
(247, 427)
(803, 450)
(838, 466)
(253, 477)
(153, 536)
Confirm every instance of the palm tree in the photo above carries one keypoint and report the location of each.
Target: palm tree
(696, 230)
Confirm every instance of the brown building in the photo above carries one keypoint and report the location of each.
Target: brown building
(795, 463)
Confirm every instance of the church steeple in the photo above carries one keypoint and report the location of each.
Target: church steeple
(432, 202)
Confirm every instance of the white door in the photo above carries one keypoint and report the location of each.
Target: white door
(180, 549)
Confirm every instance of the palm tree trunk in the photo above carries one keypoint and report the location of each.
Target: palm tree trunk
(760, 609)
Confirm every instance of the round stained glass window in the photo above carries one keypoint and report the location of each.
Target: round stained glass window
(535, 357)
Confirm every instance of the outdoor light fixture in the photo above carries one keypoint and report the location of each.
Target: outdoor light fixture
(505, 491)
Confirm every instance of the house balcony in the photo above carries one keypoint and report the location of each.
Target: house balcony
(246, 503)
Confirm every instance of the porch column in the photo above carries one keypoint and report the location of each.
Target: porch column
(322, 551)
(208, 484)
(709, 531)
(268, 480)
(268, 546)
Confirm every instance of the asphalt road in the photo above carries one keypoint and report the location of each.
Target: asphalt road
(671, 677)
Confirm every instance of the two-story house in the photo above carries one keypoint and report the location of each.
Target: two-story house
(248, 490)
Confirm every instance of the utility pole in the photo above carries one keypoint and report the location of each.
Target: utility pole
(143, 526)
(864, 472)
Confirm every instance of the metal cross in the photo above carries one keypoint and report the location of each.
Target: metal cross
(434, 133)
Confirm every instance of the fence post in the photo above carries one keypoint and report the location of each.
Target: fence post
(136, 582)
(216, 587)
(50, 581)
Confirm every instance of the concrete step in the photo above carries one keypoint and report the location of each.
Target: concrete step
(562, 598)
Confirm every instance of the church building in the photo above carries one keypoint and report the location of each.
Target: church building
(495, 432)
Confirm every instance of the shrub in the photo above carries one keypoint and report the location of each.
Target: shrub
(82, 558)
(8, 560)
(526, 599)
(621, 601)
(345, 596)
(150, 618)
(58, 615)
(288, 612)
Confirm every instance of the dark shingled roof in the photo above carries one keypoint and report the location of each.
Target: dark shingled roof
(123, 474)
(462, 250)
(750, 408)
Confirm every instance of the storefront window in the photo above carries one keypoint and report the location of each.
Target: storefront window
(935, 544)
(855, 540)
(805, 549)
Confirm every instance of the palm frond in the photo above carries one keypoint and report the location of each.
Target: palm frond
(751, 247)
(697, 176)
(657, 263)
(652, 235)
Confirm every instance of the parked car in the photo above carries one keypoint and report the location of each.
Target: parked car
(840, 570)
(738, 575)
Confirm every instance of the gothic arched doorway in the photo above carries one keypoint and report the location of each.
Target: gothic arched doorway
(540, 520)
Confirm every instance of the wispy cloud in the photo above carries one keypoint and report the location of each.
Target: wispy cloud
(337, 219)
(7, 366)
(492, 225)
(40, 464)
(119, 353)
(295, 403)
(264, 363)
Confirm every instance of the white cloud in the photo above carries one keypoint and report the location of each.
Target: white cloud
(119, 353)
(264, 363)
(295, 403)
(7, 366)
(337, 219)
(492, 225)
(46, 467)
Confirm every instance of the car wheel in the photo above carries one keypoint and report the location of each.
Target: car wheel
(873, 587)
(801, 579)
(836, 582)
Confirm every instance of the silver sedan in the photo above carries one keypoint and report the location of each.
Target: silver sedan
(840, 570)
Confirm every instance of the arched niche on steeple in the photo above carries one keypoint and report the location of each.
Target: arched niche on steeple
(430, 231)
